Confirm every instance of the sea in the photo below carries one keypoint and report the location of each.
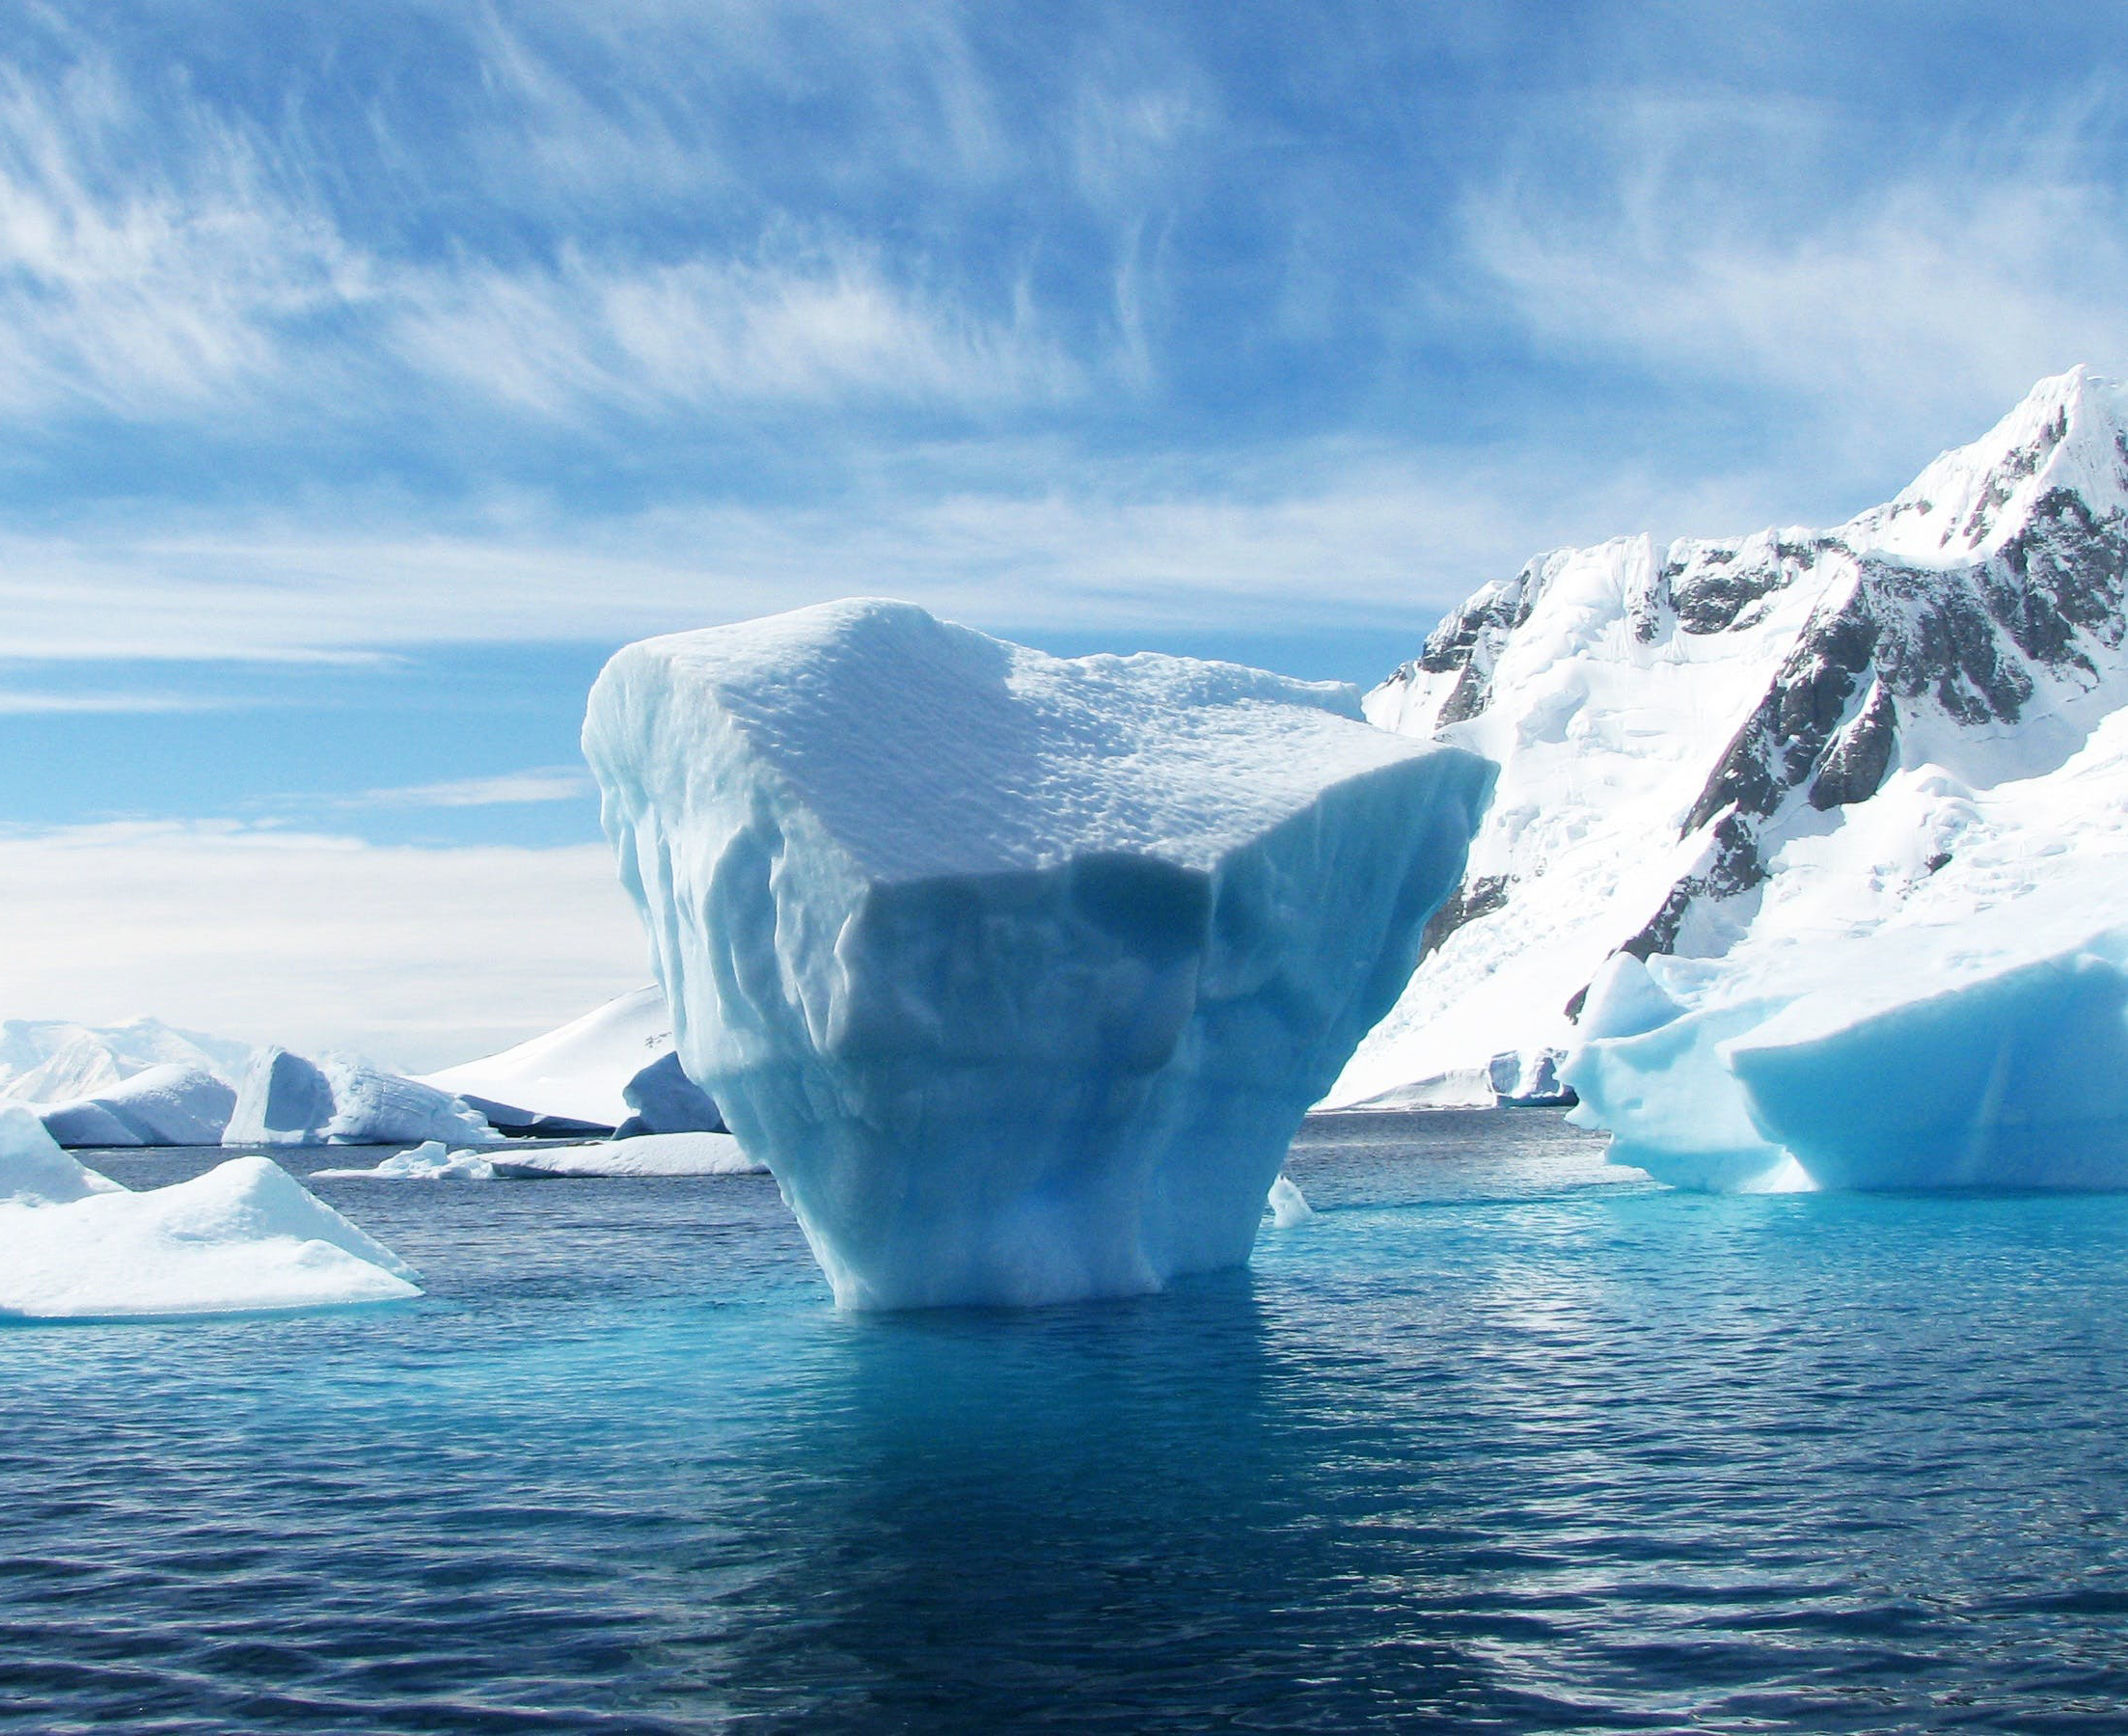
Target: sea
(1500, 1439)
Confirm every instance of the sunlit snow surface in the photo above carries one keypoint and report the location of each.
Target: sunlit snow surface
(1498, 1440)
(1018, 971)
(242, 1237)
(1933, 996)
(1610, 707)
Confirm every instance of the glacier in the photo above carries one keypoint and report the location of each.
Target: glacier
(243, 1238)
(286, 1098)
(1712, 747)
(1018, 971)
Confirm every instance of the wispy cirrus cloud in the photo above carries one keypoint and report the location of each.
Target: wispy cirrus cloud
(1728, 242)
(162, 259)
(505, 789)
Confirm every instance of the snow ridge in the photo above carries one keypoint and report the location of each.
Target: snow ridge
(1679, 726)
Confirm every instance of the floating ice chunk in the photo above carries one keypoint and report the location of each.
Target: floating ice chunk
(1287, 1206)
(429, 1161)
(646, 1155)
(665, 1101)
(1018, 971)
(167, 1105)
(1989, 1053)
(244, 1236)
(288, 1100)
(33, 1171)
(2017, 1079)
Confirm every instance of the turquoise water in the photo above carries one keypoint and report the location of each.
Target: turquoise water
(1496, 1442)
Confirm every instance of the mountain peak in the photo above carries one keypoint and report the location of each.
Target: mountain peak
(2069, 433)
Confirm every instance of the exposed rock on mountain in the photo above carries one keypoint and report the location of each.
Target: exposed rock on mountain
(1681, 728)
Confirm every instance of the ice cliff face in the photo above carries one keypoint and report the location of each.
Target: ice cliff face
(1732, 740)
(1019, 972)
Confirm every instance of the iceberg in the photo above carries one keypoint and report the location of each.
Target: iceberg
(429, 1161)
(288, 1100)
(245, 1237)
(664, 1100)
(171, 1105)
(643, 1155)
(1019, 972)
(646, 1155)
(1987, 1052)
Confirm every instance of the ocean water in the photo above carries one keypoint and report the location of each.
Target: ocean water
(1499, 1439)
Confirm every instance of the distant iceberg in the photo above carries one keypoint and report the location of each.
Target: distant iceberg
(244, 1236)
(167, 1105)
(667, 1155)
(289, 1100)
(1019, 971)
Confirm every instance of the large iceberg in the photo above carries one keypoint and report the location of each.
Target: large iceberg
(286, 1098)
(244, 1236)
(1018, 971)
(1990, 1050)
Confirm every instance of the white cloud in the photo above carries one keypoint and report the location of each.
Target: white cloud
(163, 258)
(1729, 245)
(1302, 536)
(819, 326)
(19, 702)
(417, 956)
(544, 783)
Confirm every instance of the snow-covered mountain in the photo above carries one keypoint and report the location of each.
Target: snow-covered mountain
(1743, 738)
(580, 1071)
(53, 1060)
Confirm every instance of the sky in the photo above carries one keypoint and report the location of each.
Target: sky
(370, 373)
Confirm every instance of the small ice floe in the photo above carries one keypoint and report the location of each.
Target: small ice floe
(1287, 1206)
(650, 1154)
(429, 1161)
(245, 1237)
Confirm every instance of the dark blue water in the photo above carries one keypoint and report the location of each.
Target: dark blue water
(1494, 1443)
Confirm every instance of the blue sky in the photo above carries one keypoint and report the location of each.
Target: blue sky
(369, 372)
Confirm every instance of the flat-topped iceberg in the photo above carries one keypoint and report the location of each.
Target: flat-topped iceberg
(1018, 971)
(641, 1155)
(244, 1236)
